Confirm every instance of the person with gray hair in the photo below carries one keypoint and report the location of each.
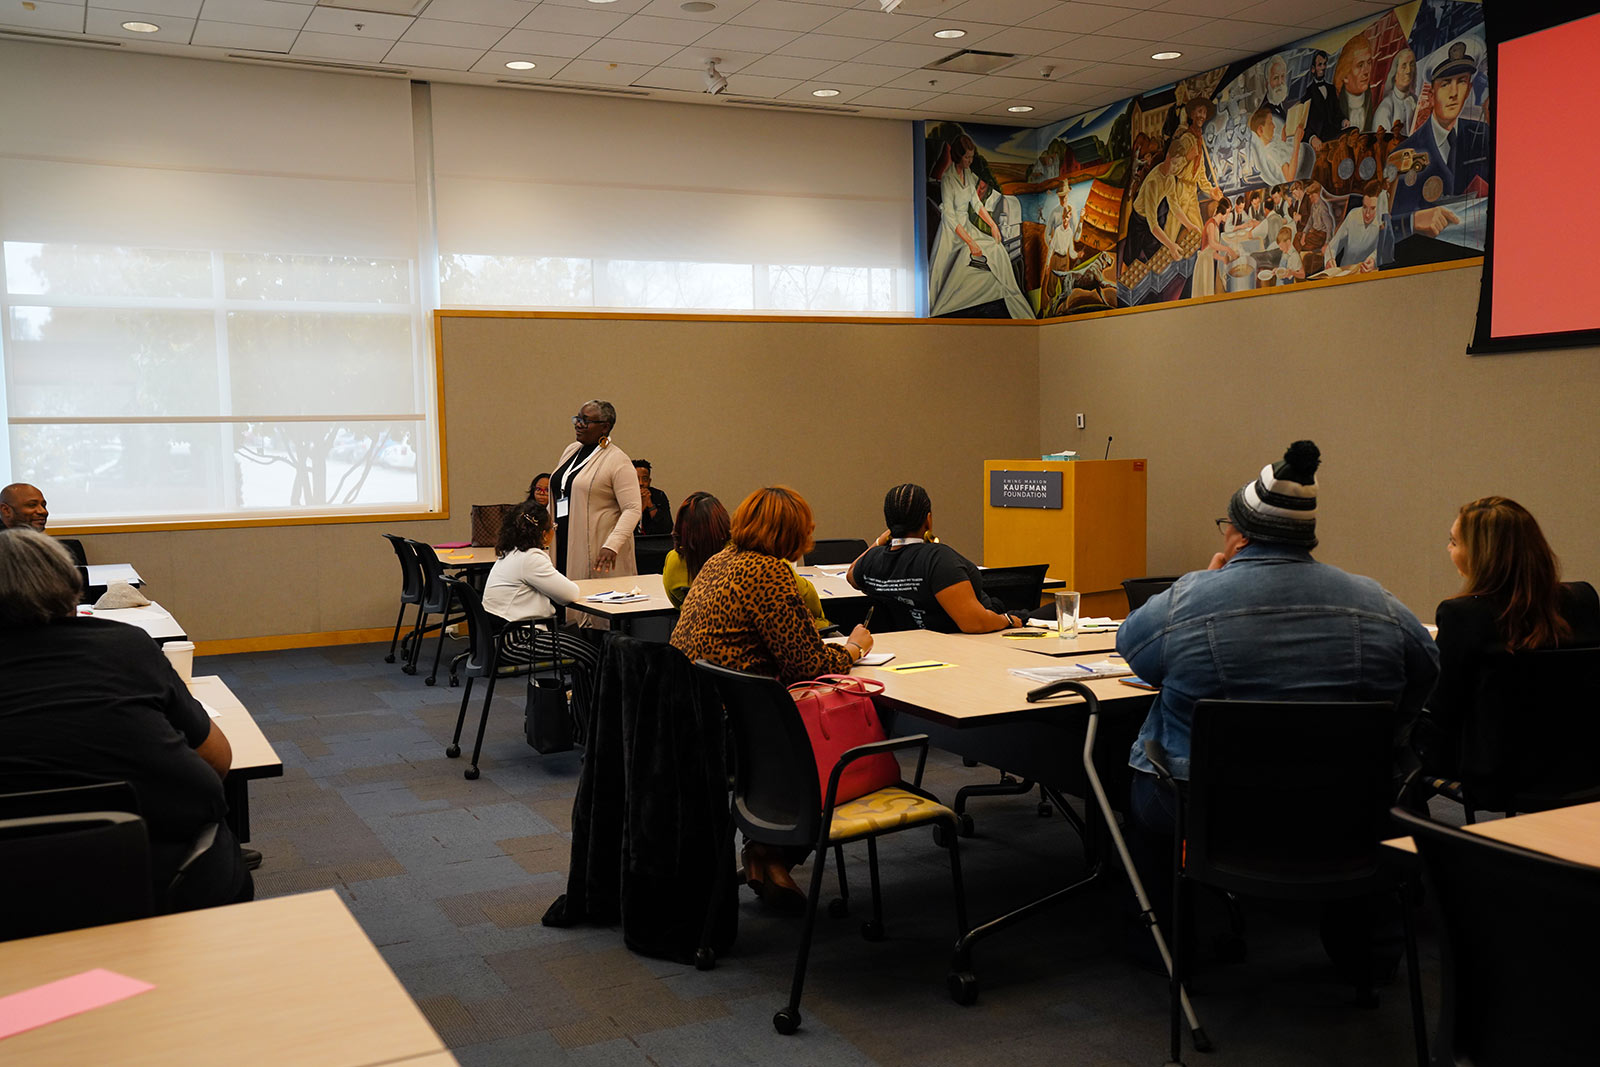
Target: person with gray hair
(90, 700)
(594, 494)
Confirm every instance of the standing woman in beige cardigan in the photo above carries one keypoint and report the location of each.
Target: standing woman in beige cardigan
(594, 493)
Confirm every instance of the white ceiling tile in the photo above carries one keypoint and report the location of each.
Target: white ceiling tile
(788, 67)
(594, 72)
(609, 50)
(900, 54)
(803, 91)
(957, 104)
(933, 81)
(660, 31)
(782, 15)
(1288, 12)
(437, 56)
(1119, 76)
(1061, 92)
(747, 38)
(185, 9)
(1087, 47)
(766, 88)
(1022, 41)
(627, 7)
(106, 23)
(545, 44)
(588, 22)
(1032, 68)
(495, 63)
(870, 23)
(1159, 25)
(1078, 18)
(256, 13)
(237, 35)
(338, 46)
(483, 12)
(679, 79)
(345, 23)
(883, 96)
(44, 16)
(1336, 14)
(1213, 8)
(1228, 33)
(978, 34)
(673, 9)
(1002, 12)
(864, 73)
(728, 61)
(825, 46)
(454, 34)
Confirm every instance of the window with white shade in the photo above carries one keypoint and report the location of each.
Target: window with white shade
(561, 201)
(210, 305)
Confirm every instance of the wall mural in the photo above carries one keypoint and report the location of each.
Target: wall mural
(1356, 151)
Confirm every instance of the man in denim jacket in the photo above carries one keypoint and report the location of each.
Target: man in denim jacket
(1264, 622)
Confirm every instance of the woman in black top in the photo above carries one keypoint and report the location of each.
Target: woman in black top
(931, 585)
(1512, 601)
(91, 700)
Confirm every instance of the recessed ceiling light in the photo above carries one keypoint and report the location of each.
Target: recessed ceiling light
(602, 1)
(141, 27)
(519, 64)
(1019, 108)
(1163, 56)
(949, 35)
(824, 92)
(695, 7)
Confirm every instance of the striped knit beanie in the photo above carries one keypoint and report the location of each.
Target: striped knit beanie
(1281, 504)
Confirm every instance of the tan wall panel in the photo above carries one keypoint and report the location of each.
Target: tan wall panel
(1376, 373)
(841, 411)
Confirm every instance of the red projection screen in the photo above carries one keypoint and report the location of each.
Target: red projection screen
(1541, 255)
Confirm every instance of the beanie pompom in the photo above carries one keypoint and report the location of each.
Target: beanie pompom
(1303, 458)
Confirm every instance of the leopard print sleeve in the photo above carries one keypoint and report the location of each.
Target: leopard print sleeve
(781, 618)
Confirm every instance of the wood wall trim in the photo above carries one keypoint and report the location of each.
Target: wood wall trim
(237, 524)
(276, 642)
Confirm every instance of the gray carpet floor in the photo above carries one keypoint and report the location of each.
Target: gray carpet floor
(450, 877)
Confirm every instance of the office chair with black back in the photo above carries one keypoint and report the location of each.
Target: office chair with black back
(1289, 801)
(1528, 741)
(410, 587)
(1140, 590)
(65, 872)
(1018, 589)
(484, 658)
(650, 552)
(437, 600)
(835, 550)
(1518, 937)
(777, 800)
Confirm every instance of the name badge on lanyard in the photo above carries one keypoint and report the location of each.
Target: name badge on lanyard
(561, 507)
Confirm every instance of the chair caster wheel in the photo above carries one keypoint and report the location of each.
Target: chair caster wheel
(872, 930)
(965, 824)
(388, 659)
(1202, 1043)
(705, 959)
(786, 1021)
(453, 751)
(429, 680)
(1046, 810)
(408, 669)
(963, 987)
(968, 762)
(941, 835)
(455, 683)
(838, 907)
(470, 774)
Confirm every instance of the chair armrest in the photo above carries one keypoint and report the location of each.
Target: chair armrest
(202, 844)
(1158, 760)
(872, 748)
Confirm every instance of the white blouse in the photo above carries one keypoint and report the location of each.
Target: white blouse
(522, 585)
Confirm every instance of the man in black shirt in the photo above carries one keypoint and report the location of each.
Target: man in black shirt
(657, 515)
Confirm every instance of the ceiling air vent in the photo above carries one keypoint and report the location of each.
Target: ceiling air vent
(559, 88)
(783, 105)
(973, 61)
(316, 64)
(381, 7)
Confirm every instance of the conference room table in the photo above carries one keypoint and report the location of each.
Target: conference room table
(971, 704)
(1571, 833)
(253, 755)
(472, 558)
(291, 980)
(152, 618)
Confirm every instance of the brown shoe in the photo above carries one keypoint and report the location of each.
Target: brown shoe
(754, 872)
(780, 891)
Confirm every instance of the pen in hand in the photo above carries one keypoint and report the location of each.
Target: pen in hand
(867, 622)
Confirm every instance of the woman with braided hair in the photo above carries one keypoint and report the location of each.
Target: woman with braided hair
(934, 585)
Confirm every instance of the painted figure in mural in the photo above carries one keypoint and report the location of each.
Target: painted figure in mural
(1355, 94)
(1063, 226)
(1315, 227)
(1277, 98)
(1323, 122)
(1457, 151)
(1355, 246)
(968, 266)
(1150, 228)
(1213, 250)
(1278, 156)
(1278, 213)
(1289, 269)
(1399, 106)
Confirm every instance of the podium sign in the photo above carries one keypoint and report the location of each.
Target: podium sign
(1024, 489)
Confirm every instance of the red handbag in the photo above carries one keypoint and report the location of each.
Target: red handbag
(839, 715)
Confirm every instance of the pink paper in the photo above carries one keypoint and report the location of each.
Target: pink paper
(455, 544)
(64, 998)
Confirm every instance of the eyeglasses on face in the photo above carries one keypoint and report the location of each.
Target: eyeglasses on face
(584, 420)
(1223, 525)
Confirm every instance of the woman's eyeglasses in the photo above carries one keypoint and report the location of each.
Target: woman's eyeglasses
(582, 420)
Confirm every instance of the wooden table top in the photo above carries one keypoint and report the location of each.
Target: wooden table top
(292, 980)
(978, 687)
(1566, 833)
(153, 619)
(657, 604)
(476, 556)
(253, 754)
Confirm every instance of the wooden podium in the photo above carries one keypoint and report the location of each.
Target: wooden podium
(1092, 541)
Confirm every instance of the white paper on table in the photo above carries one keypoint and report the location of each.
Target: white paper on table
(211, 711)
(151, 611)
(1094, 622)
(614, 597)
(871, 659)
(1074, 671)
(106, 573)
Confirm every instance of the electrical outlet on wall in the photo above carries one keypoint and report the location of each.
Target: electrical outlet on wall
(1080, 420)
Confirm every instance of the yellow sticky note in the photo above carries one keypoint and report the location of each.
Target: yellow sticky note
(920, 665)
